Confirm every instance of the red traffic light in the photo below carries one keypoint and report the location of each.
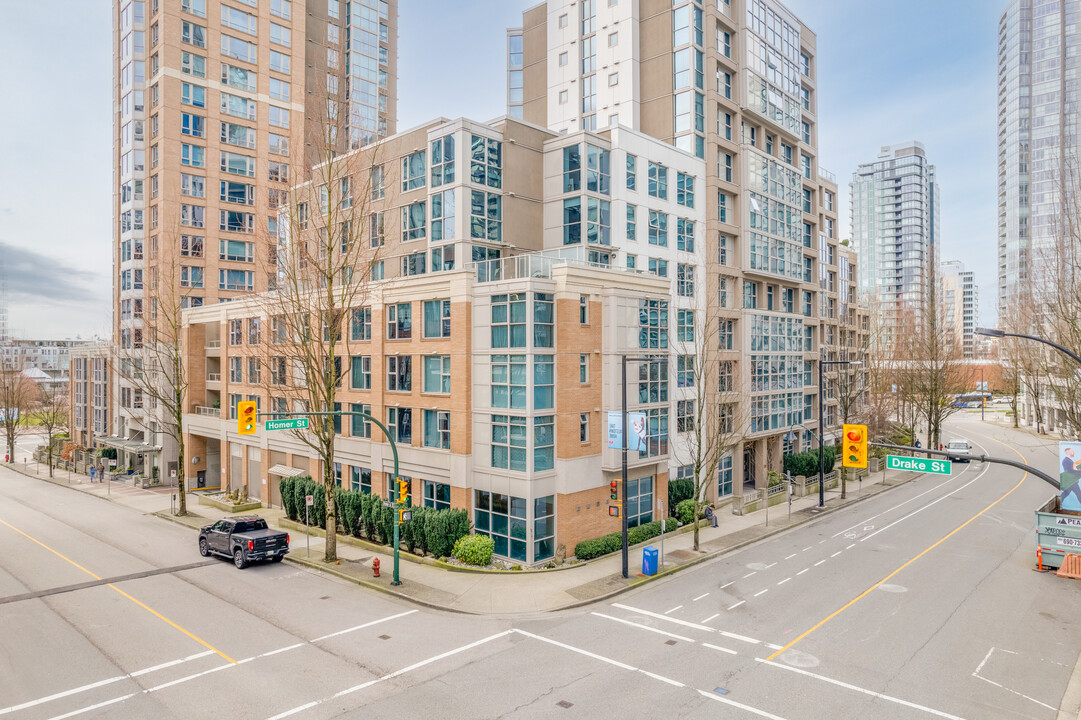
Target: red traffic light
(615, 491)
(854, 436)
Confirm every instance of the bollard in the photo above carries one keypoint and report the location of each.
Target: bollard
(1039, 558)
(375, 567)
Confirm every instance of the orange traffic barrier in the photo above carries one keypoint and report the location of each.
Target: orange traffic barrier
(1071, 567)
(1039, 558)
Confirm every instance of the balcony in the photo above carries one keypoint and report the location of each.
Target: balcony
(207, 411)
(827, 175)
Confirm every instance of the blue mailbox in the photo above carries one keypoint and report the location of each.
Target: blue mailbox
(649, 560)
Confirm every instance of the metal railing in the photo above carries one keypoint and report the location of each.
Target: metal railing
(213, 377)
(827, 175)
(207, 411)
(213, 344)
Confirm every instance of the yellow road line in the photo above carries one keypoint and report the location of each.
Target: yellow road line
(129, 597)
(866, 592)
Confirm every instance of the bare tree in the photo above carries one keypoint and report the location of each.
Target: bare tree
(16, 394)
(52, 414)
(715, 422)
(879, 373)
(849, 383)
(324, 258)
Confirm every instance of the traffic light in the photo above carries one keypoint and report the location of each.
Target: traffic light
(615, 490)
(245, 417)
(403, 490)
(854, 439)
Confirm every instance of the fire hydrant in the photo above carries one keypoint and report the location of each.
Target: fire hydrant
(375, 567)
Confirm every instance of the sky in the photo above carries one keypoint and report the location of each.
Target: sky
(887, 73)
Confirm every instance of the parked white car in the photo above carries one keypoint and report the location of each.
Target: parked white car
(962, 448)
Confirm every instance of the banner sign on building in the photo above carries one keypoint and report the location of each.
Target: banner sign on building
(638, 430)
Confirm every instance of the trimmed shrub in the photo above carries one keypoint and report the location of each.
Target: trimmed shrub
(806, 463)
(589, 549)
(678, 491)
(285, 487)
(685, 511)
(474, 550)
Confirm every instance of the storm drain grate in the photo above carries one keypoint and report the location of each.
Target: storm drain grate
(564, 704)
(669, 642)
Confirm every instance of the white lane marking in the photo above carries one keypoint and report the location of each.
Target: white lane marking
(92, 707)
(930, 504)
(733, 607)
(226, 666)
(643, 627)
(677, 621)
(807, 548)
(753, 572)
(836, 553)
(699, 597)
(361, 627)
(785, 580)
(669, 612)
(803, 571)
(580, 651)
(790, 556)
(906, 502)
(711, 617)
(984, 661)
(981, 677)
(769, 566)
(727, 584)
(865, 691)
(722, 649)
(294, 711)
(662, 678)
(279, 650)
(760, 592)
(100, 683)
(820, 562)
(850, 546)
(741, 706)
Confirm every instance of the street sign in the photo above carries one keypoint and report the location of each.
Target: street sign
(290, 424)
(935, 467)
(309, 500)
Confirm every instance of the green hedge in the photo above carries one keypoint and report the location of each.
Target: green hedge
(474, 550)
(685, 511)
(363, 515)
(806, 463)
(678, 491)
(589, 549)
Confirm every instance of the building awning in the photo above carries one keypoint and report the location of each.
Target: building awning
(285, 471)
(129, 445)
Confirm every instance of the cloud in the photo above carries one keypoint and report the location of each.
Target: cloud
(34, 277)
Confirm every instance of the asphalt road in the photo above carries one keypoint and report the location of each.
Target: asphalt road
(921, 602)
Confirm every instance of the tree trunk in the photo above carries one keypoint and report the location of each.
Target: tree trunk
(695, 517)
(844, 482)
(331, 554)
(50, 454)
(182, 508)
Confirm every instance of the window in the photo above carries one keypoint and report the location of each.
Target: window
(583, 369)
(685, 280)
(598, 172)
(722, 207)
(685, 326)
(192, 185)
(583, 427)
(685, 235)
(613, 39)
(277, 172)
(543, 317)
(237, 164)
(278, 144)
(724, 476)
(237, 135)
(413, 171)
(194, 65)
(414, 264)
(237, 192)
(632, 173)
(443, 161)
(685, 190)
(639, 501)
(236, 280)
(280, 35)
(193, 34)
(238, 20)
(236, 251)
(509, 442)
(508, 384)
(399, 323)
(400, 424)
(360, 324)
(436, 495)
(598, 221)
(583, 310)
(238, 49)
(658, 228)
(361, 477)
(486, 216)
(195, 7)
(572, 221)
(508, 325)
(278, 117)
(253, 371)
(399, 373)
(658, 181)
(486, 162)
(284, 8)
(685, 371)
(632, 226)
(724, 83)
(437, 429)
(436, 318)
(191, 246)
(192, 155)
(726, 131)
(543, 442)
(191, 276)
(652, 324)
(543, 382)
(360, 372)
(437, 374)
(724, 334)
(279, 62)
(414, 221)
(193, 95)
(234, 221)
(279, 89)
(684, 415)
(193, 216)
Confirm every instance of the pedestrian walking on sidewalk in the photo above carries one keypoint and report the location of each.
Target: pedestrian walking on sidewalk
(93, 471)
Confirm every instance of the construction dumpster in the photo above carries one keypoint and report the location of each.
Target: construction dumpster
(1058, 533)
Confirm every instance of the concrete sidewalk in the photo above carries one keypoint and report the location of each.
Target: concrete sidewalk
(432, 584)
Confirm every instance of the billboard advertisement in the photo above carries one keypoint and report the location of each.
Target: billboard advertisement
(638, 430)
(1069, 456)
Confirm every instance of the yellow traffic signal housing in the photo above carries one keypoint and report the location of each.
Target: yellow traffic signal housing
(245, 417)
(403, 490)
(854, 446)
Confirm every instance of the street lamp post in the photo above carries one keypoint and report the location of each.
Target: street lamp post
(623, 490)
(821, 423)
(993, 333)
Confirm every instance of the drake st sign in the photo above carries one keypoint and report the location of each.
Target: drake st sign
(936, 467)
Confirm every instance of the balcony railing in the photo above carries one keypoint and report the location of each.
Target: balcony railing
(540, 264)
(212, 344)
(827, 175)
(213, 377)
(207, 411)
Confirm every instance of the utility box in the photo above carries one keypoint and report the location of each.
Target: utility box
(1057, 533)
(649, 560)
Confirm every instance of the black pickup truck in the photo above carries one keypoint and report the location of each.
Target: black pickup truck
(245, 539)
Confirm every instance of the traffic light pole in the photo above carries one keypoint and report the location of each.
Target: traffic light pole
(393, 450)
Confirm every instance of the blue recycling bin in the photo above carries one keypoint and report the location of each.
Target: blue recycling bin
(649, 560)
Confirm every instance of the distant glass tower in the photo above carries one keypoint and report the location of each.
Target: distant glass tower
(1038, 41)
(895, 228)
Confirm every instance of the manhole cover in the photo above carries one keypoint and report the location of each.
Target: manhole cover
(669, 642)
(564, 704)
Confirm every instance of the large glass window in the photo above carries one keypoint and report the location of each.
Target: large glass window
(437, 373)
(399, 321)
(658, 228)
(509, 381)
(442, 215)
(360, 324)
(572, 168)
(360, 478)
(685, 326)
(652, 324)
(399, 373)
(639, 501)
(543, 443)
(361, 372)
(543, 382)
(436, 495)
(509, 442)
(413, 170)
(436, 318)
(486, 216)
(502, 518)
(598, 221)
(572, 220)
(543, 318)
(653, 382)
(437, 429)
(443, 161)
(658, 181)
(509, 320)
(544, 528)
(598, 172)
(400, 424)
(414, 222)
(486, 162)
